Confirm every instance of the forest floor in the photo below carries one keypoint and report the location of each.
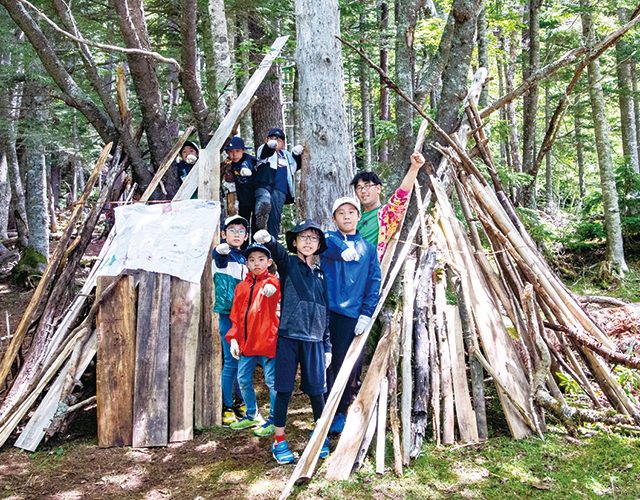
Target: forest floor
(221, 463)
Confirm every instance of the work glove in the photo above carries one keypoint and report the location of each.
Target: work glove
(191, 159)
(235, 349)
(273, 144)
(230, 187)
(268, 290)
(350, 254)
(223, 249)
(327, 359)
(297, 150)
(362, 324)
(262, 237)
(245, 172)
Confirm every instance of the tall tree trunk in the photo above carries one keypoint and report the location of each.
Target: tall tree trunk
(635, 92)
(365, 106)
(510, 108)
(5, 195)
(483, 53)
(504, 142)
(383, 147)
(36, 173)
(550, 202)
(454, 78)
(267, 110)
(242, 33)
(577, 122)
(625, 98)
(133, 27)
(225, 80)
(326, 168)
(189, 73)
(531, 45)
(406, 18)
(615, 264)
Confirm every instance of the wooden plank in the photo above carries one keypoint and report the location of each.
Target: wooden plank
(185, 322)
(381, 434)
(344, 456)
(465, 415)
(408, 298)
(495, 339)
(151, 393)
(204, 176)
(116, 362)
(50, 406)
(208, 397)
(446, 384)
(368, 437)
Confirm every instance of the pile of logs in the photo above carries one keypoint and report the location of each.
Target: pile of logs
(479, 303)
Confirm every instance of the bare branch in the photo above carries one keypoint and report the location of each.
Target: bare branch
(108, 48)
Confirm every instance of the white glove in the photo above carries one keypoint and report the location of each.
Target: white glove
(223, 249)
(229, 186)
(297, 150)
(327, 359)
(273, 144)
(350, 254)
(362, 324)
(235, 349)
(268, 290)
(262, 237)
(245, 172)
(191, 159)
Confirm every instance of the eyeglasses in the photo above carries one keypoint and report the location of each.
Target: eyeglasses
(309, 237)
(364, 187)
(239, 232)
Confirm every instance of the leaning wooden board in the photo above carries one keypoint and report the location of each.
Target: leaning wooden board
(150, 408)
(115, 365)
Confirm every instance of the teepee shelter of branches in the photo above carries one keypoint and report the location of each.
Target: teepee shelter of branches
(513, 321)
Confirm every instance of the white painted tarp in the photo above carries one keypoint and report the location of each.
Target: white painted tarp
(171, 238)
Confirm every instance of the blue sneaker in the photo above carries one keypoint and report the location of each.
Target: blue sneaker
(282, 453)
(324, 451)
(337, 426)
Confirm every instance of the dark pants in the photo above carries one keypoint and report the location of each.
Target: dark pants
(341, 331)
(262, 209)
(275, 216)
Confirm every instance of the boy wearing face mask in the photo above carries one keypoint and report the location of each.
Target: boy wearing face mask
(188, 155)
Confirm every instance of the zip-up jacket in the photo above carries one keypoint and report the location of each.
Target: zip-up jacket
(353, 287)
(254, 319)
(268, 165)
(228, 271)
(245, 186)
(304, 314)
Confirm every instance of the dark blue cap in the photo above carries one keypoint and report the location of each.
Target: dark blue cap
(290, 236)
(276, 132)
(257, 247)
(236, 142)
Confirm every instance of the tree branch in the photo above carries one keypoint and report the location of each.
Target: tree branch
(108, 48)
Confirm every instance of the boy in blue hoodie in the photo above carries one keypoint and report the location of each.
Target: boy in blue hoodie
(229, 268)
(352, 270)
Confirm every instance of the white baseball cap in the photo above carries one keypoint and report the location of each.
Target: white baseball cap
(344, 200)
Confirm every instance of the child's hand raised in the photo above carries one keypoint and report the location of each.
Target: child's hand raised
(350, 254)
(262, 237)
(223, 249)
(268, 290)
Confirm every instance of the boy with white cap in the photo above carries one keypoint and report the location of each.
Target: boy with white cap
(353, 276)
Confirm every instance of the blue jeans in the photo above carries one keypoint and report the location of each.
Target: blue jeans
(230, 365)
(246, 367)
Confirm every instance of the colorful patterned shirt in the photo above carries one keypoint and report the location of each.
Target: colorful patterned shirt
(386, 217)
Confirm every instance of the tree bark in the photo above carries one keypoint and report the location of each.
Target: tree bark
(133, 28)
(365, 105)
(577, 122)
(531, 46)
(326, 167)
(267, 110)
(454, 78)
(625, 98)
(5, 196)
(483, 53)
(36, 173)
(550, 202)
(225, 80)
(514, 139)
(383, 148)
(406, 18)
(635, 92)
(615, 265)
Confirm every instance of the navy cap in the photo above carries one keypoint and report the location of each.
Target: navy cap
(236, 142)
(290, 236)
(276, 132)
(256, 247)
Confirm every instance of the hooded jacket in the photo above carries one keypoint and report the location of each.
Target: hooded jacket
(254, 319)
(353, 287)
(268, 165)
(228, 271)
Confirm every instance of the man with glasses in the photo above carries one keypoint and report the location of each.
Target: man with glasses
(379, 222)
(275, 182)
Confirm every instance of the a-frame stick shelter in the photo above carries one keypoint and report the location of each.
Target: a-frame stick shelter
(207, 168)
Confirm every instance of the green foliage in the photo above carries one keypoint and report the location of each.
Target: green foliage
(568, 384)
(629, 380)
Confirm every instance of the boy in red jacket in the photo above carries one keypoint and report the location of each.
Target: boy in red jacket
(253, 334)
